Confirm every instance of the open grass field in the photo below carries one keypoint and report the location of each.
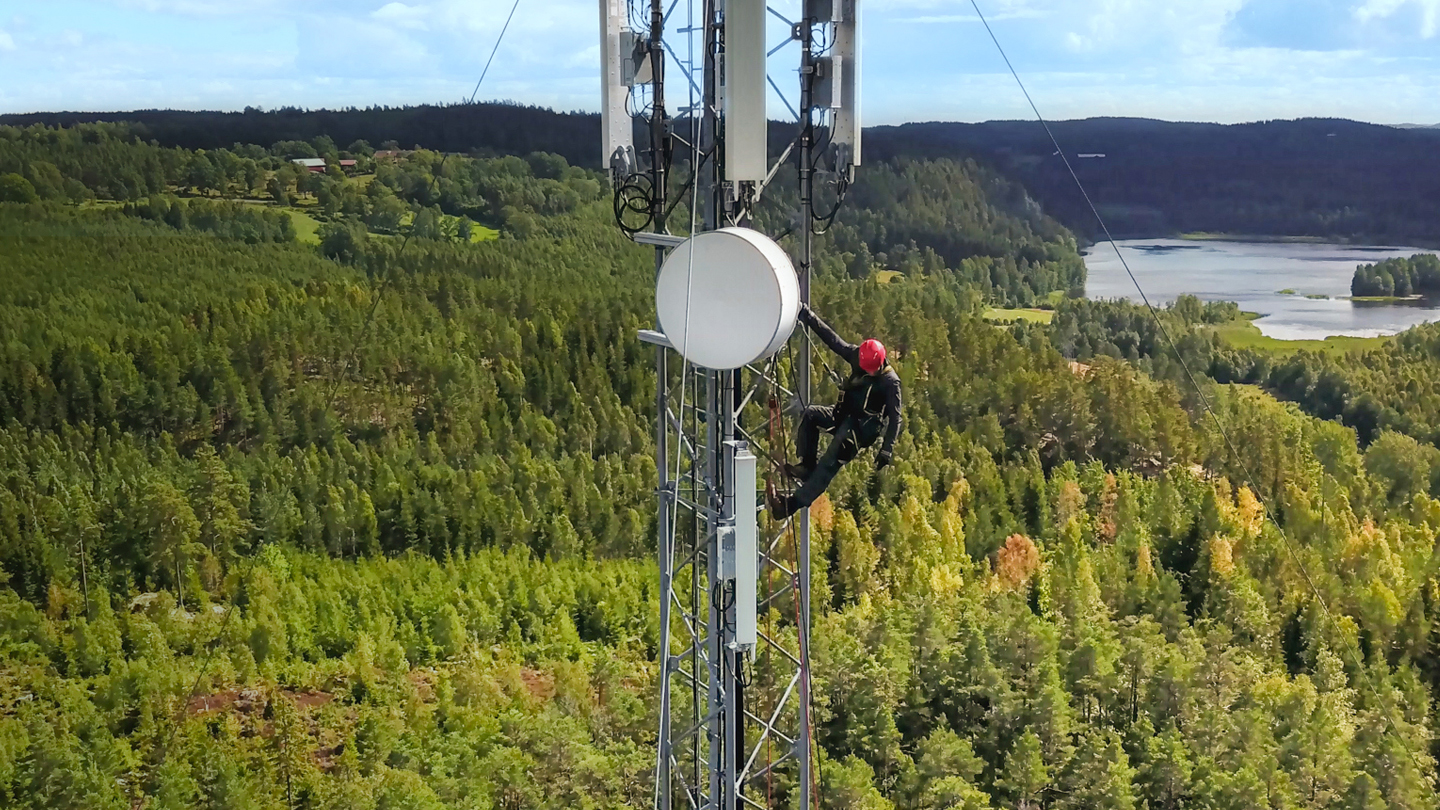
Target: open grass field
(1203, 236)
(480, 233)
(1244, 334)
(307, 229)
(1029, 315)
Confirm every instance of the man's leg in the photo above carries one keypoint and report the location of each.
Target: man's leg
(842, 449)
(807, 439)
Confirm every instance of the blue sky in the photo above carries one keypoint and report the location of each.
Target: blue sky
(1211, 60)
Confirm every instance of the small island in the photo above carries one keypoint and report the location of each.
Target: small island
(1397, 279)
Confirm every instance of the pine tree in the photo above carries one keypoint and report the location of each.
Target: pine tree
(1025, 777)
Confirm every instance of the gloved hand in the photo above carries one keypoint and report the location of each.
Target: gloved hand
(882, 460)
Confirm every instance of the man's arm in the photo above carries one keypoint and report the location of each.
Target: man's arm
(848, 351)
(893, 419)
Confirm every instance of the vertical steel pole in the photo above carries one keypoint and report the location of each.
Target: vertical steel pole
(665, 498)
(666, 495)
(714, 649)
(730, 675)
(807, 220)
(719, 428)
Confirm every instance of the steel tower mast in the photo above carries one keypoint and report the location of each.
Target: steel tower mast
(734, 715)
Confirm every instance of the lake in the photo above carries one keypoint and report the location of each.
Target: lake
(1252, 274)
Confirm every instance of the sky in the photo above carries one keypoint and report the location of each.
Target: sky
(923, 60)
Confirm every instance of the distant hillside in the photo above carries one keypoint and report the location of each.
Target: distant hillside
(501, 128)
(1310, 177)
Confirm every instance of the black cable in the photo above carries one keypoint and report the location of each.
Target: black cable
(842, 189)
(743, 674)
(694, 173)
(634, 196)
(1204, 401)
(498, 40)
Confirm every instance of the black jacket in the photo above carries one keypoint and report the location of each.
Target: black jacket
(863, 396)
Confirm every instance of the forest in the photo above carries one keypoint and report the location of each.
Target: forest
(1331, 178)
(1398, 278)
(501, 128)
(258, 550)
(1388, 392)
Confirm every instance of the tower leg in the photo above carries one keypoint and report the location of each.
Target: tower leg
(804, 743)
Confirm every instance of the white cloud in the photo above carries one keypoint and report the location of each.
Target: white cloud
(402, 15)
(201, 8)
(1158, 27)
(1382, 9)
(1170, 58)
(1022, 14)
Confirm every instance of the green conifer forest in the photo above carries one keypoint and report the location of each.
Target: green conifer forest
(260, 549)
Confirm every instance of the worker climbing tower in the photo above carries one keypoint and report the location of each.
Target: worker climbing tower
(734, 714)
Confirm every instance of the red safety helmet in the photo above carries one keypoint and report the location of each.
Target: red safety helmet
(872, 356)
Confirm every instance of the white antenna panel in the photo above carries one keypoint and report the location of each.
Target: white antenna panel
(616, 128)
(727, 298)
(746, 547)
(845, 128)
(746, 153)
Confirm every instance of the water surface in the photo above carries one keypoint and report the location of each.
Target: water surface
(1252, 274)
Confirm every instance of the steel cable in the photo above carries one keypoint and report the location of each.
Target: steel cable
(1361, 670)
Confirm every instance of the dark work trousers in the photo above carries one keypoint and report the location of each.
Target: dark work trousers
(850, 436)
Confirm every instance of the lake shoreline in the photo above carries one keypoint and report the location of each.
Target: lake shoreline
(1270, 239)
(1301, 284)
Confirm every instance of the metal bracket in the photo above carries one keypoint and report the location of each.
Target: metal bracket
(664, 240)
(655, 338)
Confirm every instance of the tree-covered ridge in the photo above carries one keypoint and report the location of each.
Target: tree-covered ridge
(1399, 277)
(478, 369)
(111, 161)
(491, 128)
(911, 217)
(1331, 178)
(416, 190)
(1307, 177)
(1379, 393)
(940, 217)
(1060, 595)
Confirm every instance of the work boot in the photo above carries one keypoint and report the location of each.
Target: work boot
(798, 472)
(779, 505)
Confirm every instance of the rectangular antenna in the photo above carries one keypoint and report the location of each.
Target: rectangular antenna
(746, 159)
(845, 127)
(747, 549)
(616, 128)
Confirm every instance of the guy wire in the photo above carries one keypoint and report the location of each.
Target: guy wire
(1361, 671)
